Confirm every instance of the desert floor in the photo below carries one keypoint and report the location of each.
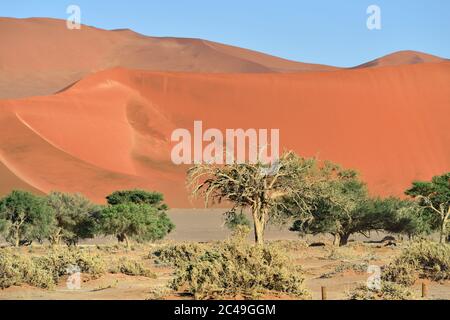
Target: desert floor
(338, 269)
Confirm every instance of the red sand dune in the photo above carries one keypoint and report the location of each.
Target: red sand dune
(112, 129)
(40, 56)
(401, 58)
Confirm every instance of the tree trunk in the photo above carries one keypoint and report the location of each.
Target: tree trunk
(17, 244)
(443, 231)
(259, 223)
(17, 236)
(259, 232)
(344, 240)
(444, 226)
(127, 241)
(337, 239)
(55, 239)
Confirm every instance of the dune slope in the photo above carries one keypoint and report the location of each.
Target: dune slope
(40, 56)
(112, 129)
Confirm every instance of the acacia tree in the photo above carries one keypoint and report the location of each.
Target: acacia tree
(434, 196)
(139, 222)
(25, 217)
(154, 199)
(408, 218)
(344, 209)
(255, 187)
(74, 217)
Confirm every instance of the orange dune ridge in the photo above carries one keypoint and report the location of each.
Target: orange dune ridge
(40, 56)
(112, 129)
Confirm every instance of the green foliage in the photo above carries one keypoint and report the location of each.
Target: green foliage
(388, 291)
(74, 217)
(140, 222)
(422, 259)
(135, 214)
(343, 208)
(256, 187)
(434, 196)
(406, 217)
(234, 220)
(154, 199)
(233, 269)
(24, 218)
(16, 269)
(438, 190)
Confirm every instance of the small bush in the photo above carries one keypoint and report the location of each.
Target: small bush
(178, 255)
(16, 270)
(401, 273)
(388, 291)
(240, 233)
(132, 268)
(58, 260)
(291, 245)
(347, 266)
(232, 269)
(234, 219)
(423, 259)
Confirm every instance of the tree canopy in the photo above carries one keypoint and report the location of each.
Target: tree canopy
(252, 186)
(136, 196)
(342, 209)
(434, 196)
(139, 222)
(74, 217)
(24, 218)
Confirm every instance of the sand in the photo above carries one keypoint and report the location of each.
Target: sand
(40, 56)
(112, 129)
(109, 126)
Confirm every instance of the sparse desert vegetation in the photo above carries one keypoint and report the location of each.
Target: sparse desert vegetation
(233, 269)
(213, 270)
(45, 235)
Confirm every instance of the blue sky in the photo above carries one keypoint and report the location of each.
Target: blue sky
(321, 31)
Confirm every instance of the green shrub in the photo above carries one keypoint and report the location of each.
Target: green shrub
(422, 259)
(388, 291)
(231, 269)
(132, 268)
(16, 270)
(234, 219)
